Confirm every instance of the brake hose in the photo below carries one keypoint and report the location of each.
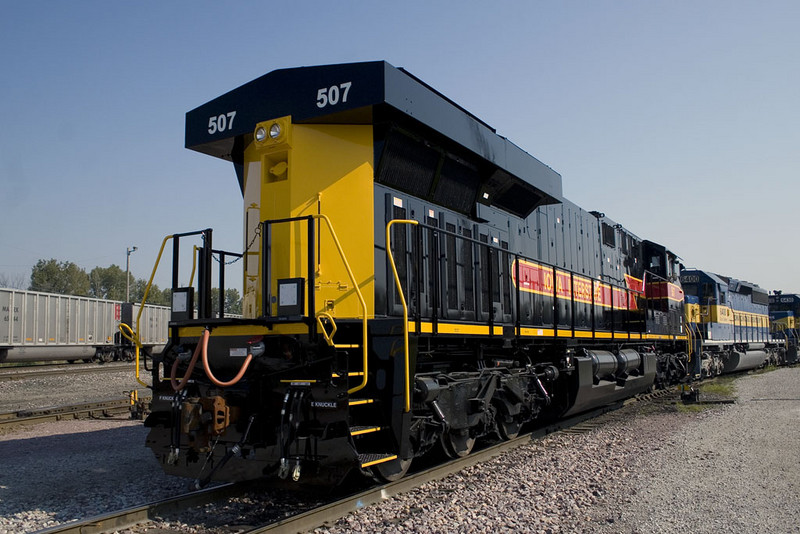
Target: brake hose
(192, 363)
(211, 376)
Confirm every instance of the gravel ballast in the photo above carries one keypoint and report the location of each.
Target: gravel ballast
(729, 468)
(736, 471)
(66, 389)
(57, 472)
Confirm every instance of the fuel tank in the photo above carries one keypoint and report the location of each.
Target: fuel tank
(587, 391)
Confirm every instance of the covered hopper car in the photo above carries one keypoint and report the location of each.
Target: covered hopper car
(37, 326)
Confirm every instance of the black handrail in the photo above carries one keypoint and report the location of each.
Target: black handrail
(266, 289)
(222, 255)
(436, 232)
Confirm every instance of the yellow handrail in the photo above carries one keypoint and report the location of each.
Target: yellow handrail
(402, 302)
(690, 343)
(194, 264)
(134, 337)
(128, 333)
(328, 337)
(361, 300)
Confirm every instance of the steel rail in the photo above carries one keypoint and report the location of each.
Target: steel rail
(6, 375)
(140, 514)
(104, 409)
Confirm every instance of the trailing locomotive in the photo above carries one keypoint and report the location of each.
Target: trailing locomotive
(412, 280)
(728, 323)
(784, 310)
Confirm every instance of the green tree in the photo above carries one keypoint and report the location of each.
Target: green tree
(161, 297)
(107, 283)
(64, 277)
(52, 276)
(156, 296)
(233, 302)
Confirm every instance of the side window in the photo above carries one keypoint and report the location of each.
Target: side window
(655, 262)
(708, 292)
(609, 239)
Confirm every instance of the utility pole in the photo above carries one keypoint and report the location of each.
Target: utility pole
(129, 251)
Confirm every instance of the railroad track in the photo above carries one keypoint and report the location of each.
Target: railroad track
(102, 409)
(327, 513)
(139, 514)
(331, 512)
(12, 373)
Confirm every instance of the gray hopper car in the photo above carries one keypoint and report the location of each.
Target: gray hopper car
(38, 326)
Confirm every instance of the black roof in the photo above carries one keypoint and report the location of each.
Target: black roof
(784, 298)
(374, 90)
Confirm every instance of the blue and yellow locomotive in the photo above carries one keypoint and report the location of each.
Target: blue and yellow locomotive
(412, 280)
(784, 310)
(728, 323)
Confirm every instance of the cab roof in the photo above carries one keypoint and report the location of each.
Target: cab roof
(367, 93)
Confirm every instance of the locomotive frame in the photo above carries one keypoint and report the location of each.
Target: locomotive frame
(412, 281)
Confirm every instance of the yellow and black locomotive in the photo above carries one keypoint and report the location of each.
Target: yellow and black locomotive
(412, 280)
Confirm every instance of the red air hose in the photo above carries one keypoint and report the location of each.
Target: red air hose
(182, 384)
(211, 376)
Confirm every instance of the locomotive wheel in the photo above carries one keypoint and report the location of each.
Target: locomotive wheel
(391, 471)
(507, 426)
(457, 443)
(508, 430)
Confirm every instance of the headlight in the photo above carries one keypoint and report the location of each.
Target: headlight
(261, 133)
(275, 130)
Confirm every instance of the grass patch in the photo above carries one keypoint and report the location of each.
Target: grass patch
(766, 369)
(721, 387)
(690, 408)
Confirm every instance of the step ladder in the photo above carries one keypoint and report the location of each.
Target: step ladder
(365, 434)
(369, 440)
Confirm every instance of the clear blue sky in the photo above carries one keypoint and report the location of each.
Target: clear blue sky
(678, 119)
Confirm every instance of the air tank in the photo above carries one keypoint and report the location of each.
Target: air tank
(628, 360)
(604, 364)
